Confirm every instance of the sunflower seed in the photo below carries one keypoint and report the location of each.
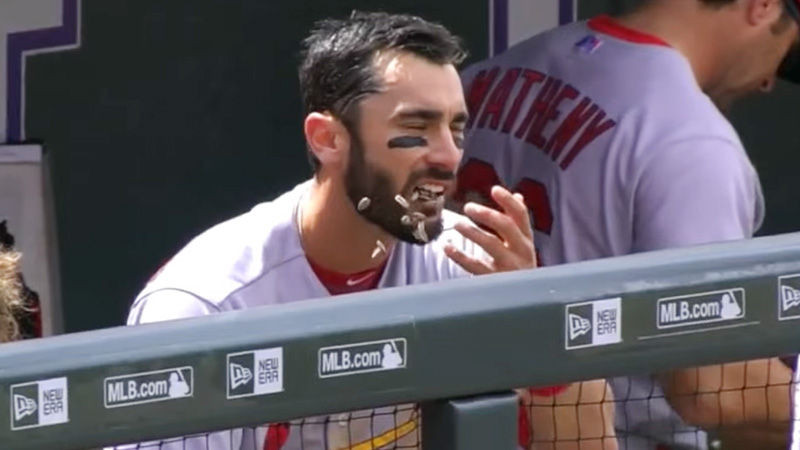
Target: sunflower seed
(364, 203)
(401, 200)
(380, 248)
(423, 235)
(406, 220)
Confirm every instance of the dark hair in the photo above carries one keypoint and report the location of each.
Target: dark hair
(338, 63)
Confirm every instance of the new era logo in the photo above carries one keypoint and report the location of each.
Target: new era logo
(257, 372)
(23, 407)
(240, 375)
(789, 297)
(595, 323)
(39, 403)
(578, 326)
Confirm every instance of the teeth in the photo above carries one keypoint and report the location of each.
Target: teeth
(427, 192)
(435, 188)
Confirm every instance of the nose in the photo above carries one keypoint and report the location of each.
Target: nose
(445, 155)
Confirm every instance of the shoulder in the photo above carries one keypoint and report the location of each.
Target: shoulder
(527, 52)
(232, 254)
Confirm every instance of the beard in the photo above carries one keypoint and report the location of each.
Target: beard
(365, 180)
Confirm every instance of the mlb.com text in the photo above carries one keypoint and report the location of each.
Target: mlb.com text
(117, 391)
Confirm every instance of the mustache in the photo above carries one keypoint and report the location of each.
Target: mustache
(434, 174)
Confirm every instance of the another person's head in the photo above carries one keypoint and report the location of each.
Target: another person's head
(10, 295)
(756, 36)
(385, 114)
(736, 47)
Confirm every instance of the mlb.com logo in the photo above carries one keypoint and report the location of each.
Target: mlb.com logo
(789, 297)
(363, 357)
(257, 372)
(39, 403)
(592, 324)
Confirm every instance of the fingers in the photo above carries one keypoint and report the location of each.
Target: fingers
(514, 206)
(507, 239)
(484, 238)
(471, 264)
(511, 236)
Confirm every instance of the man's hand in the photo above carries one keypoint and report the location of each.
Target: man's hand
(510, 247)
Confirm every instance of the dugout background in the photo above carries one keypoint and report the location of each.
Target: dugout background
(175, 115)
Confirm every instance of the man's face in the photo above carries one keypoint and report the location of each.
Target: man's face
(407, 143)
(755, 66)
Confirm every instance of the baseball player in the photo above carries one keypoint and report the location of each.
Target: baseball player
(612, 131)
(385, 115)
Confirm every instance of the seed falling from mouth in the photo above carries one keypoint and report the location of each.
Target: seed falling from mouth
(401, 201)
(380, 248)
(420, 232)
(406, 220)
(364, 203)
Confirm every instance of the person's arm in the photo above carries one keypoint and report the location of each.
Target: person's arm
(698, 192)
(581, 417)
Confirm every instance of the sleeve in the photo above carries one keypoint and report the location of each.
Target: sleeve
(795, 440)
(695, 192)
(169, 304)
(174, 304)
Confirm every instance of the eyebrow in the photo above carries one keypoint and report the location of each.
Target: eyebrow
(428, 115)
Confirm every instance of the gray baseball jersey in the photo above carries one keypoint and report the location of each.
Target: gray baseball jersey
(256, 260)
(617, 150)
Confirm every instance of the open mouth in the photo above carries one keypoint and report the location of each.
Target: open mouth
(427, 192)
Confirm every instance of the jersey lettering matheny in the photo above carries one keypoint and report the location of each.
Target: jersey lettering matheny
(254, 260)
(616, 149)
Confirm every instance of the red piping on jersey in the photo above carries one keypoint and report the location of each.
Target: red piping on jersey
(277, 435)
(340, 283)
(607, 25)
(523, 419)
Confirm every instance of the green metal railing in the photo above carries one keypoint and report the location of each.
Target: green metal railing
(459, 348)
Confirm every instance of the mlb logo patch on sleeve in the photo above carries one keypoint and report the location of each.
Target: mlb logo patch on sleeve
(592, 324)
(39, 403)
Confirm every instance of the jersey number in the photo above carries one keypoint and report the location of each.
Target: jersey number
(478, 177)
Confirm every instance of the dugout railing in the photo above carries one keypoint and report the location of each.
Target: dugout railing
(459, 348)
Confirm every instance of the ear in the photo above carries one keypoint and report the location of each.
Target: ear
(327, 138)
(763, 12)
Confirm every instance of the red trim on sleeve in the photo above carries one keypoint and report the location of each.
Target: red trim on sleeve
(523, 428)
(607, 25)
(277, 435)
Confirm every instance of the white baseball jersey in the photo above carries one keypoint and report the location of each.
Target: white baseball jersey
(617, 150)
(796, 408)
(256, 259)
